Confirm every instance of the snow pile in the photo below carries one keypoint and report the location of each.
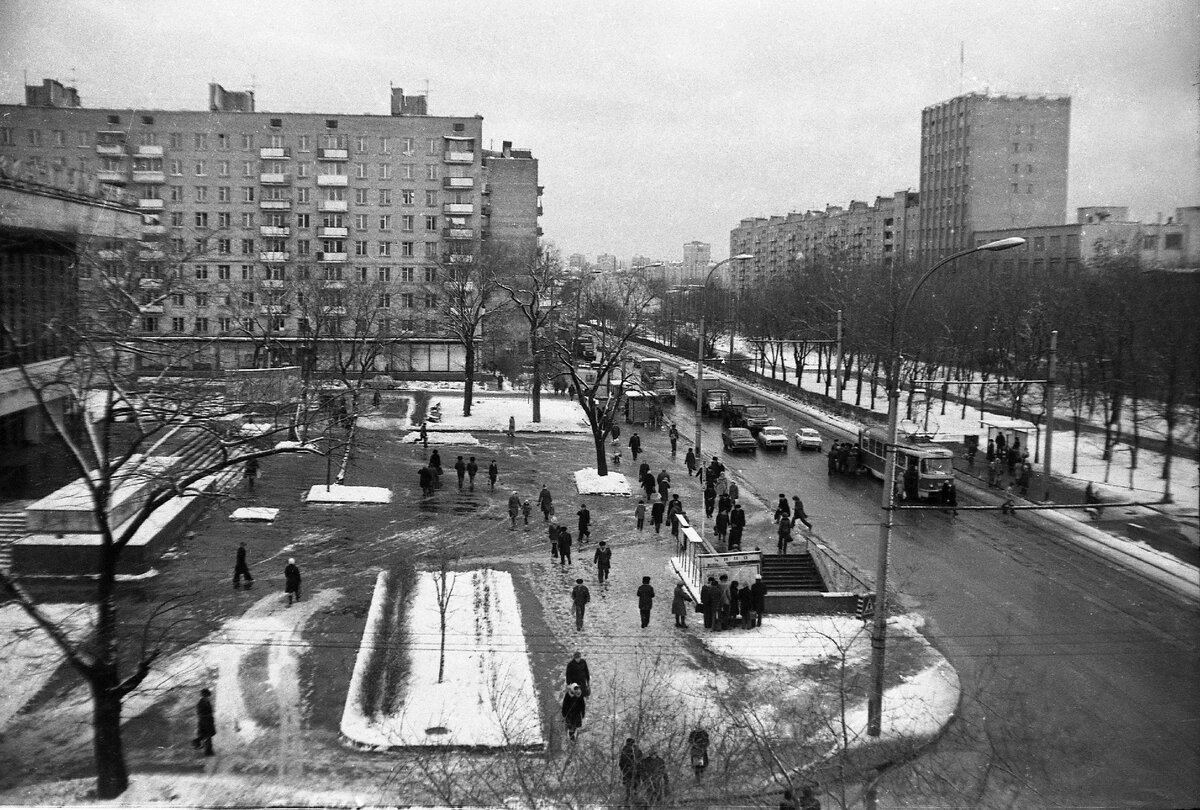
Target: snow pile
(487, 695)
(339, 493)
(792, 641)
(290, 445)
(444, 439)
(266, 513)
(914, 709)
(491, 412)
(589, 482)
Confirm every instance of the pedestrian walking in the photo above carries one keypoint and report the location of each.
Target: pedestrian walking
(758, 599)
(737, 525)
(783, 509)
(424, 436)
(710, 498)
(785, 535)
(698, 751)
(1023, 479)
(250, 473)
(493, 474)
(472, 471)
(664, 485)
(657, 510)
(733, 541)
(460, 469)
(721, 524)
(722, 483)
(291, 581)
(206, 725)
(798, 513)
(635, 445)
(425, 477)
(526, 511)
(734, 492)
(564, 546)
(679, 605)
(674, 512)
(724, 504)
(832, 457)
(241, 569)
(709, 600)
(639, 512)
(545, 502)
(514, 508)
(993, 473)
(615, 433)
(580, 596)
(554, 535)
(721, 620)
(689, 461)
(435, 462)
(603, 560)
(673, 435)
(574, 707)
(585, 523)
(649, 484)
(645, 595)
(577, 672)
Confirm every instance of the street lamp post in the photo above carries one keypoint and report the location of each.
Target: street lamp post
(887, 500)
(700, 350)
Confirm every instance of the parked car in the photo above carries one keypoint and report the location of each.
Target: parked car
(736, 438)
(808, 439)
(773, 437)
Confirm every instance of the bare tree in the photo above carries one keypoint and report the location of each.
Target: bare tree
(532, 291)
(465, 289)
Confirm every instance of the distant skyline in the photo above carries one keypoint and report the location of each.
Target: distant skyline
(656, 124)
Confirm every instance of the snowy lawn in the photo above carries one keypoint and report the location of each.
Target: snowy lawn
(442, 439)
(30, 657)
(487, 696)
(588, 482)
(338, 493)
(491, 412)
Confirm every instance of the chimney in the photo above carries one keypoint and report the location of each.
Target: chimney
(407, 105)
(506, 148)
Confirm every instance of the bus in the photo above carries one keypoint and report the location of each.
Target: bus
(651, 368)
(933, 464)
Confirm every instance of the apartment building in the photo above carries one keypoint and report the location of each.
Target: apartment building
(249, 204)
(991, 162)
(697, 258)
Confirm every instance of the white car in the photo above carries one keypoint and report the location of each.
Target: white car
(773, 437)
(808, 439)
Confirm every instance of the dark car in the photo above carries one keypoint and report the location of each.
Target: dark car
(737, 438)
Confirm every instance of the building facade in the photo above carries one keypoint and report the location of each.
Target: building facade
(697, 258)
(991, 162)
(249, 207)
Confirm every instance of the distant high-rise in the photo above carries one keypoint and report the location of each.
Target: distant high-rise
(990, 162)
(697, 256)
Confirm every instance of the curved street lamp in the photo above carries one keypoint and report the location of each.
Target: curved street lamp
(700, 351)
(887, 500)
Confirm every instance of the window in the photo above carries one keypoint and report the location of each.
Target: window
(224, 247)
(302, 221)
(303, 247)
(385, 196)
(247, 141)
(1016, 168)
(431, 222)
(385, 274)
(35, 137)
(1016, 147)
(360, 144)
(363, 272)
(201, 168)
(385, 171)
(406, 249)
(360, 247)
(247, 168)
(303, 169)
(302, 195)
(247, 247)
(223, 194)
(408, 145)
(1013, 187)
(1028, 147)
(360, 222)
(385, 222)
(431, 172)
(433, 146)
(360, 196)
(60, 137)
(1028, 168)
(248, 297)
(176, 219)
(177, 244)
(6, 137)
(223, 272)
(406, 171)
(385, 301)
(201, 193)
(224, 324)
(1029, 188)
(84, 139)
(247, 193)
(304, 143)
(247, 274)
(1173, 241)
(201, 219)
(1149, 242)
(176, 140)
(224, 219)
(407, 196)
(431, 199)
(200, 141)
(406, 274)
(406, 300)
(431, 301)
(247, 219)
(149, 324)
(430, 275)
(201, 325)
(201, 274)
(385, 145)
(360, 171)
(277, 140)
(431, 250)
(175, 193)
(1039, 244)
(385, 248)
(177, 324)
(222, 168)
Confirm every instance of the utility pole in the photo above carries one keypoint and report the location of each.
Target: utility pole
(838, 370)
(1051, 368)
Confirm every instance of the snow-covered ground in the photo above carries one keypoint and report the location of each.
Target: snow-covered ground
(492, 411)
(339, 493)
(589, 482)
(28, 657)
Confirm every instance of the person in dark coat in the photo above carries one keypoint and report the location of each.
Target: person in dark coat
(435, 461)
(564, 545)
(674, 511)
(629, 761)
(291, 581)
(785, 535)
(577, 672)
(656, 785)
(580, 596)
(425, 477)
(1001, 446)
(673, 435)
(679, 605)
(553, 532)
(514, 508)
(664, 485)
(645, 595)
(424, 436)
(735, 603)
(698, 751)
(657, 510)
(585, 523)
(649, 484)
(250, 472)
(460, 468)
(635, 445)
(746, 607)
(832, 457)
(758, 599)
(783, 510)
(724, 503)
(493, 474)
(472, 471)
(710, 499)
(721, 525)
(545, 502)
(734, 541)
(708, 602)
(603, 560)
(206, 725)
(689, 461)
(639, 514)
(798, 513)
(241, 569)
(615, 432)
(733, 491)
(574, 707)
(911, 483)
(990, 455)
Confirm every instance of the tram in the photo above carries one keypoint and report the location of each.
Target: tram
(932, 464)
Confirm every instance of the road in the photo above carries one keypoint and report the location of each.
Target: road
(1079, 679)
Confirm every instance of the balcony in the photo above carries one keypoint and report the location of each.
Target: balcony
(109, 176)
(150, 283)
(150, 204)
(333, 232)
(274, 230)
(274, 153)
(149, 177)
(275, 205)
(274, 256)
(333, 154)
(458, 182)
(151, 309)
(334, 310)
(459, 258)
(458, 233)
(458, 208)
(332, 258)
(274, 179)
(333, 180)
(273, 283)
(459, 157)
(272, 309)
(153, 230)
(111, 149)
(333, 206)
(151, 256)
(148, 151)
(334, 284)
(109, 255)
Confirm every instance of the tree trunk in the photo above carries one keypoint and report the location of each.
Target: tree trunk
(537, 374)
(112, 777)
(469, 370)
(598, 435)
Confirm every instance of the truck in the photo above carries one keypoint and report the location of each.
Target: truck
(712, 398)
(747, 415)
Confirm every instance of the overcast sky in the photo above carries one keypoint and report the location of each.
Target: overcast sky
(656, 123)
